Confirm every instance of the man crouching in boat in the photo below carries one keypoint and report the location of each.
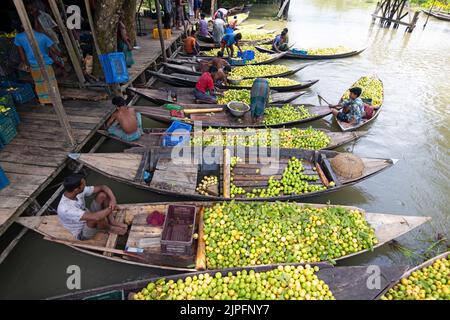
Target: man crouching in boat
(125, 123)
(76, 218)
(352, 108)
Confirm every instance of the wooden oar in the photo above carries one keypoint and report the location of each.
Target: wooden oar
(329, 104)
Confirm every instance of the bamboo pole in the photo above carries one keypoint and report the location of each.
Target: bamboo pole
(75, 43)
(55, 97)
(161, 38)
(70, 49)
(91, 24)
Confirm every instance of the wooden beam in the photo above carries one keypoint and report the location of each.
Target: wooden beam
(75, 42)
(70, 49)
(161, 38)
(91, 24)
(53, 90)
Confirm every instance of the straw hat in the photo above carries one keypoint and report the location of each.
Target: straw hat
(347, 165)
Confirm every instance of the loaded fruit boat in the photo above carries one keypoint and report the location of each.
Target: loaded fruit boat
(185, 97)
(314, 54)
(260, 59)
(189, 235)
(276, 84)
(246, 72)
(292, 138)
(255, 173)
(428, 281)
(372, 96)
(318, 281)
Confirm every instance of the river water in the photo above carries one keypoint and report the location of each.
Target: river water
(413, 127)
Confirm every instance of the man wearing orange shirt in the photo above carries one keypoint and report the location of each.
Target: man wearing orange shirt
(191, 45)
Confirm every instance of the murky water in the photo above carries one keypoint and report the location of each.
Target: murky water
(413, 127)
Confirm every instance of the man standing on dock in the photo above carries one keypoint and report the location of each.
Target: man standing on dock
(76, 218)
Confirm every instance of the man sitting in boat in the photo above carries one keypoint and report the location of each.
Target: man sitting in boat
(219, 62)
(221, 76)
(125, 123)
(229, 41)
(280, 42)
(233, 24)
(76, 218)
(204, 89)
(191, 45)
(352, 108)
(259, 98)
(203, 26)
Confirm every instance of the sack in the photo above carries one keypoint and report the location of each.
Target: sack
(368, 110)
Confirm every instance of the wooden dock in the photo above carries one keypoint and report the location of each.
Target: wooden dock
(39, 152)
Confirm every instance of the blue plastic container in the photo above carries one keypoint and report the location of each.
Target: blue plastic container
(182, 134)
(22, 93)
(4, 181)
(247, 55)
(7, 130)
(115, 67)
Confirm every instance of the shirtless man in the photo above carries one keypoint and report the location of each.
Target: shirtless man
(219, 62)
(125, 123)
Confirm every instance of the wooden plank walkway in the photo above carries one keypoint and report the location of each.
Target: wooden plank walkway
(39, 151)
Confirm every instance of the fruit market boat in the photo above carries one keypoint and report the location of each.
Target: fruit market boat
(178, 171)
(194, 60)
(224, 119)
(154, 138)
(438, 15)
(143, 241)
(344, 126)
(409, 272)
(345, 283)
(194, 70)
(291, 55)
(185, 96)
(185, 80)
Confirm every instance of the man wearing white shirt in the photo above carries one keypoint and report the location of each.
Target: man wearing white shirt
(77, 219)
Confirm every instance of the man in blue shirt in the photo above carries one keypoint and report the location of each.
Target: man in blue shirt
(352, 109)
(228, 41)
(280, 42)
(46, 46)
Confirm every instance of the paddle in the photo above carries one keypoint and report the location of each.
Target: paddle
(431, 9)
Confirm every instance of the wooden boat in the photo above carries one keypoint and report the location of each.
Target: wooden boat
(344, 126)
(194, 70)
(225, 118)
(154, 138)
(185, 96)
(142, 235)
(346, 283)
(290, 55)
(188, 167)
(187, 59)
(409, 272)
(186, 80)
(438, 15)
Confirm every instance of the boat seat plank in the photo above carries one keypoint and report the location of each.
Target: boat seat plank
(112, 238)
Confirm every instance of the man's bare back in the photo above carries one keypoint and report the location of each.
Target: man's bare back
(126, 117)
(219, 63)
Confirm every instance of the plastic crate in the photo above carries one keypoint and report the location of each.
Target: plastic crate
(179, 137)
(178, 231)
(4, 181)
(7, 101)
(247, 55)
(115, 67)
(21, 92)
(167, 33)
(7, 130)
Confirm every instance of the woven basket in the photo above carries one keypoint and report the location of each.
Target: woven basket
(347, 165)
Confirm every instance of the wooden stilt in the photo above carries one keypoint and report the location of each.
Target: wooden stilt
(393, 12)
(53, 90)
(161, 38)
(70, 49)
